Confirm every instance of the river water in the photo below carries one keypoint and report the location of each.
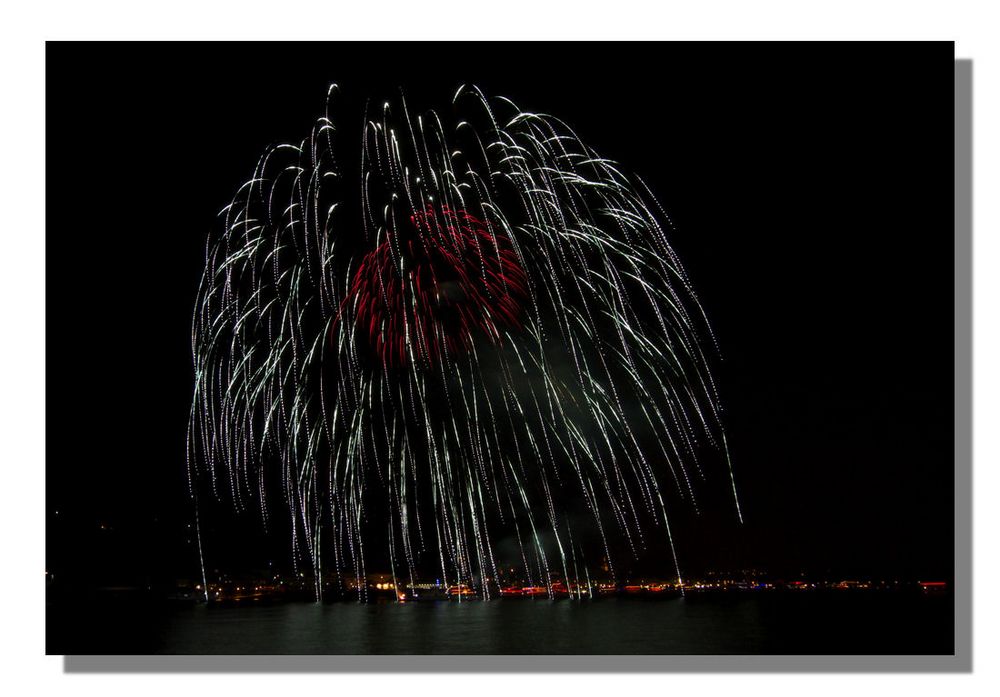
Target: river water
(751, 623)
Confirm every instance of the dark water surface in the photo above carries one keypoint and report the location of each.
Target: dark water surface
(765, 623)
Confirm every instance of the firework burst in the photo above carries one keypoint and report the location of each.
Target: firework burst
(453, 276)
(486, 335)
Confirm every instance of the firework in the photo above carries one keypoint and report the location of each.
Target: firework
(483, 334)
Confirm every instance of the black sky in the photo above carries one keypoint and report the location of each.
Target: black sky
(811, 190)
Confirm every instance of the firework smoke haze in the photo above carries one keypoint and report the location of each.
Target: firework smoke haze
(485, 335)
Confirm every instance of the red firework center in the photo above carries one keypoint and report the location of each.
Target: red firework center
(425, 292)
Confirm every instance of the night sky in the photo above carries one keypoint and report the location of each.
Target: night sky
(811, 191)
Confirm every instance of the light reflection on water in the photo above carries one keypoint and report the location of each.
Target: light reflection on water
(734, 625)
